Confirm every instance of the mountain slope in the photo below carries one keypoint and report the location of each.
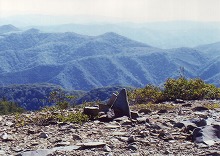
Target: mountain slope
(211, 50)
(211, 72)
(8, 28)
(170, 34)
(85, 62)
(33, 96)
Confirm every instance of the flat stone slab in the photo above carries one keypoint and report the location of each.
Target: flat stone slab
(45, 152)
(92, 144)
(39, 152)
(119, 133)
(66, 148)
(2, 152)
(110, 126)
(208, 135)
(91, 111)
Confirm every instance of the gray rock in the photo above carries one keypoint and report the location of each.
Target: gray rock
(199, 122)
(39, 152)
(179, 101)
(16, 149)
(91, 111)
(123, 118)
(43, 135)
(187, 105)
(142, 120)
(213, 153)
(46, 152)
(92, 144)
(144, 111)
(119, 133)
(179, 125)
(121, 106)
(134, 115)
(62, 144)
(153, 126)
(9, 123)
(107, 148)
(2, 152)
(165, 136)
(103, 108)
(34, 143)
(31, 131)
(208, 134)
(131, 139)
(76, 137)
(124, 139)
(202, 114)
(66, 148)
(104, 118)
(143, 134)
(110, 126)
(112, 99)
(133, 147)
(126, 122)
(162, 111)
(192, 123)
(167, 152)
(6, 137)
(110, 114)
(200, 108)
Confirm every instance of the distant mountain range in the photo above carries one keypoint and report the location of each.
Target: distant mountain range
(8, 29)
(81, 62)
(164, 34)
(158, 34)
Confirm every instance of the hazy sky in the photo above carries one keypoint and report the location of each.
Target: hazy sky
(128, 10)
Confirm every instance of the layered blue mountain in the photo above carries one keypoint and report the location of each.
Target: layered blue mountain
(173, 34)
(86, 62)
(211, 71)
(8, 29)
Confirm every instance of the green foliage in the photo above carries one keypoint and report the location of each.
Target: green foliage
(7, 107)
(212, 106)
(33, 96)
(48, 115)
(154, 107)
(145, 95)
(77, 117)
(61, 100)
(181, 88)
(193, 89)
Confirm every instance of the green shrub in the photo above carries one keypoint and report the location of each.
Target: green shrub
(77, 117)
(49, 115)
(62, 100)
(192, 89)
(181, 88)
(155, 107)
(7, 107)
(148, 94)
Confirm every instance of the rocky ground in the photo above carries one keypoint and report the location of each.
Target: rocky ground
(159, 132)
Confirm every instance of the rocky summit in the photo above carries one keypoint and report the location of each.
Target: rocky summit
(189, 128)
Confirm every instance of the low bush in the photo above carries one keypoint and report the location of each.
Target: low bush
(181, 88)
(7, 107)
(148, 94)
